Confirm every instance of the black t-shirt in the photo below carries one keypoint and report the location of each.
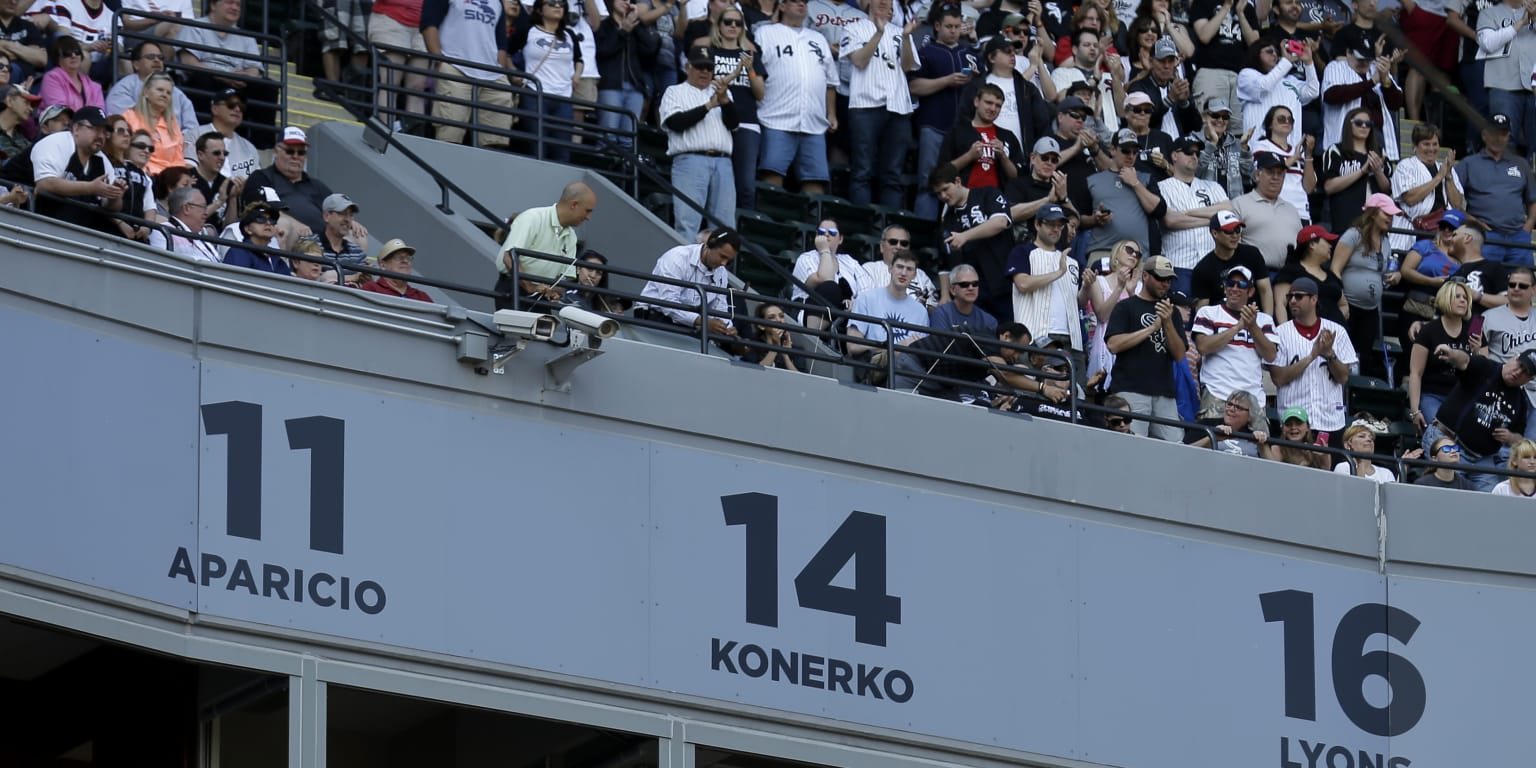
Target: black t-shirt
(1146, 368)
(1458, 482)
(1480, 403)
(1329, 290)
(1439, 377)
(1025, 188)
(1077, 168)
(26, 33)
(726, 61)
(90, 213)
(1154, 143)
(1346, 204)
(990, 255)
(1227, 49)
(1487, 276)
(1206, 280)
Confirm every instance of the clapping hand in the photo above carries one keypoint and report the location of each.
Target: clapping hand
(1249, 315)
(1164, 310)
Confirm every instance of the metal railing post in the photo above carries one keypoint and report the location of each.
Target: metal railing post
(703, 322)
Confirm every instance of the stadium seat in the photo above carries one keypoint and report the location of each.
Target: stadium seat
(782, 204)
(925, 232)
(852, 219)
(763, 231)
(1373, 396)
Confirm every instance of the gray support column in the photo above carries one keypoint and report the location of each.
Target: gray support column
(675, 752)
(306, 718)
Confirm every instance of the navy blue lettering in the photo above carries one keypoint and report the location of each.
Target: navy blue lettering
(869, 681)
(1349, 760)
(786, 667)
(274, 579)
(1366, 761)
(374, 606)
(298, 585)
(839, 672)
(241, 577)
(213, 568)
(800, 668)
(1398, 762)
(324, 601)
(811, 670)
(181, 565)
(906, 686)
(1313, 753)
(747, 666)
(721, 655)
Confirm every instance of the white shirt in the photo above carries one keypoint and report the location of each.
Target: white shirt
(848, 269)
(1008, 115)
(684, 263)
(51, 156)
(551, 60)
(1340, 73)
(468, 32)
(709, 134)
(1504, 489)
(238, 164)
(829, 18)
(1314, 389)
(882, 82)
(1257, 93)
(78, 21)
(800, 70)
(1185, 247)
(1237, 366)
(198, 250)
(1409, 173)
(1381, 475)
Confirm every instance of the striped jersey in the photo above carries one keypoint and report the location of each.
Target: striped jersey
(1314, 389)
(1237, 366)
(1340, 73)
(1185, 247)
(881, 82)
(1280, 87)
(800, 70)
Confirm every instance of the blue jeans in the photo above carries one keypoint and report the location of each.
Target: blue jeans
(1482, 481)
(929, 140)
(552, 132)
(880, 142)
(631, 100)
(746, 144)
(1520, 106)
(709, 181)
(1472, 85)
(1429, 405)
(1505, 254)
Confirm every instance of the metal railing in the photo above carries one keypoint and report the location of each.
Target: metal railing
(272, 53)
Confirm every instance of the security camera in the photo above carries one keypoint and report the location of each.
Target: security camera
(590, 323)
(526, 325)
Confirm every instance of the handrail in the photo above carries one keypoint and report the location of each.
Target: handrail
(445, 185)
(173, 65)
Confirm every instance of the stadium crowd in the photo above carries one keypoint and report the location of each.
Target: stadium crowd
(1202, 205)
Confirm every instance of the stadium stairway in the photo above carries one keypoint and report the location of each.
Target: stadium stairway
(304, 110)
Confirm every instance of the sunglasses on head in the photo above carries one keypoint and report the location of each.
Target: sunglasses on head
(897, 242)
(828, 232)
(968, 284)
(1243, 284)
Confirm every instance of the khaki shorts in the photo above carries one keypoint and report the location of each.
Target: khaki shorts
(382, 30)
(586, 89)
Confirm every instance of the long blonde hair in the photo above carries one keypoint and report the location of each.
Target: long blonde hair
(142, 105)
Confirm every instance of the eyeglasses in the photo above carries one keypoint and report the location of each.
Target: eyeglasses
(1236, 407)
(298, 151)
(967, 284)
(1243, 284)
(1117, 421)
(1287, 119)
(1519, 286)
(1140, 110)
(828, 232)
(197, 205)
(143, 146)
(122, 130)
(730, 22)
(1298, 296)
(152, 56)
(1362, 123)
(898, 243)
(1448, 449)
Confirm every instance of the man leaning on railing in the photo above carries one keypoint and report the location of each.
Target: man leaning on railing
(547, 230)
(698, 265)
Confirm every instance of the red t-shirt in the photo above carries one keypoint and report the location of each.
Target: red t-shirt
(984, 170)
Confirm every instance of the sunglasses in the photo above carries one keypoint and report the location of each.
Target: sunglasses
(1448, 449)
(122, 131)
(1232, 231)
(71, 54)
(1136, 252)
(143, 146)
(1287, 119)
(1140, 110)
(1117, 421)
(1519, 286)
(1157, 278)
(1214, 116)
(1298, 296)
(1243, 284)
(967, 284)
(827, 232)
(730, 22)
(1362, 124)
(263, 220)
(1076, 115)
(233, 105)
(898, 243)
(218, 152)
(1129, 149)
(300, 151)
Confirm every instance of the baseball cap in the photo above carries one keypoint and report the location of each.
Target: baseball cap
(700, 58)
(1226, 221)
(1158, 266)
(1360, 51)
(293, 135)
(1268, 160)
(1126, 136)
(270, 196)
(53, 111)
(1047, 145)
(17, 90)
(1050, 212)
(1013, 19)
(1452, 218)
(995, 44)
(1499, 122)
(1294, 412)
(90, 115)
(1528, 362)
(1216, 106)
(1304, 285)
(1191, 144)
(337, 202)
(392, 247)
(1383, 201)
(228, 94)
(1238, 270)
(1165, 49)
(1135, 98)
(1314, 232)
(259, 209)
(1072, 104)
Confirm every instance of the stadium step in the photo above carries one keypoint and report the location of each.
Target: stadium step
(304, 110)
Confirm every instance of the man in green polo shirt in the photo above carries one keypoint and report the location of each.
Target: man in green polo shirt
(550, 230)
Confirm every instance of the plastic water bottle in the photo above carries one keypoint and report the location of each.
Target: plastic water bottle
(1393, 263)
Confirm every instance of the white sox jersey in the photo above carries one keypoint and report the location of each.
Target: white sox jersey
(1314, 389)
(800, 70)
(1185, 247)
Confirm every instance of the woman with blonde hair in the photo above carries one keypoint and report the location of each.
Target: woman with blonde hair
(1431, 379)
(153, 113)
(1117, 276)
(1522, 458)
(1361, 439)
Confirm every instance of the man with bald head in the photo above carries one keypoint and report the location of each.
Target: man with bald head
(549, 230)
